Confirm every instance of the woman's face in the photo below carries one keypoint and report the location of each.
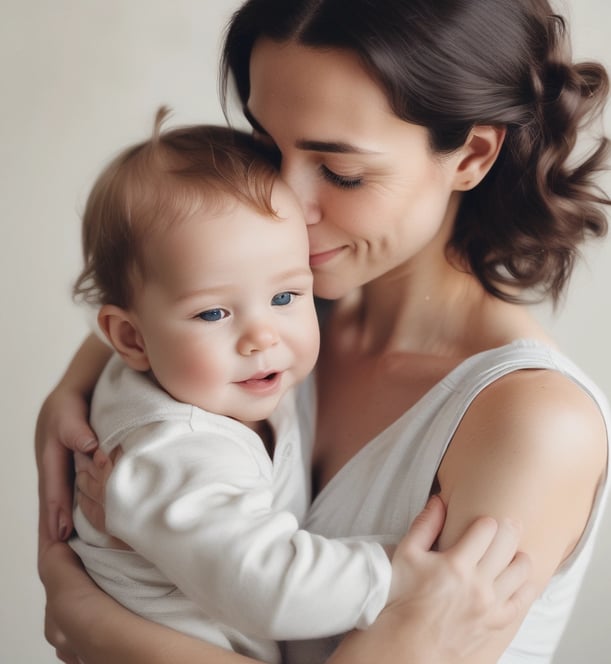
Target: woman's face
(374, 195)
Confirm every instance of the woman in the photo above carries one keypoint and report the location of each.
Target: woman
(430, 145)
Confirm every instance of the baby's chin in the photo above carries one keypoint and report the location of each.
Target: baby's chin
(255, 400)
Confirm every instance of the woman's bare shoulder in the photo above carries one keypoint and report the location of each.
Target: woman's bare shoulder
(533, 447)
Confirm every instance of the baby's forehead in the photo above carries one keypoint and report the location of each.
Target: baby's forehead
(283, 197)
(216, 244)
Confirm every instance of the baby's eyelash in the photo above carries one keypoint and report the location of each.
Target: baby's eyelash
(340, 180)
(212, 315)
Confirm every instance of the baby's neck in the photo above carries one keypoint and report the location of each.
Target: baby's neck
(265, 431)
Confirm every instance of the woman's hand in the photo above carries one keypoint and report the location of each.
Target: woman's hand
(479, 585)
(86, 626)
(61, 429)
(444, 606)
(67, 587)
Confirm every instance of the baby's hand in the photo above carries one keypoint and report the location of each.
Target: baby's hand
(92, 473)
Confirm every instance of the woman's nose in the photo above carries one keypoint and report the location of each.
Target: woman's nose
(304, 186)
(257, 337)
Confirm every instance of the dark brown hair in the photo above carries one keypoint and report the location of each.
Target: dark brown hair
(154, 184)
(450, 65)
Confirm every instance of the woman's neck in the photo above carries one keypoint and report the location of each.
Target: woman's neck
(414, 308)
(444, 311)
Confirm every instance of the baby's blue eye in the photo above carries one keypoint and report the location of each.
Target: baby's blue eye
(282, 299)
(212, 315)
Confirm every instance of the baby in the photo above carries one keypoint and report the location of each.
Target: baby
(196, 254)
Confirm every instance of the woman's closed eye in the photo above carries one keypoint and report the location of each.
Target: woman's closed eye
(342, 181)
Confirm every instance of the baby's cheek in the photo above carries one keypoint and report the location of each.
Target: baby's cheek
(201, 369)
(193, 381)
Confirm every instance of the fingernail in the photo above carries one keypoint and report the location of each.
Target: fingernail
(62, 527)
(100, 460)
(435, 498)
(89, 446)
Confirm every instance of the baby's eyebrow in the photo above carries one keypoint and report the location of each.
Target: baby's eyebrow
(221, 289)
(297, 272)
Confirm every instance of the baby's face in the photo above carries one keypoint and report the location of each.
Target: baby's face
(227, 316)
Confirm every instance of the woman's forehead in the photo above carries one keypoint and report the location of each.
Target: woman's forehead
(302, 86)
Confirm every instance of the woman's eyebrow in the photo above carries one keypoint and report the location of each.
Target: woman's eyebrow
(332, 146)
(304, 144)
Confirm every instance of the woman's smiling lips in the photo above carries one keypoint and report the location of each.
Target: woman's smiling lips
(324, 256)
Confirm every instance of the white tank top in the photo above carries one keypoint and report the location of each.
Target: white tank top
(386, 484)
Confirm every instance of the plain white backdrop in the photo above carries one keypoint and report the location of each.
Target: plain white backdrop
(80, 79)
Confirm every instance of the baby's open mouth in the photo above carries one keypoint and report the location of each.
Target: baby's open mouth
(266, 378)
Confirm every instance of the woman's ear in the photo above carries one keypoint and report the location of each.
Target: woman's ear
(478, 155)
(121, 330)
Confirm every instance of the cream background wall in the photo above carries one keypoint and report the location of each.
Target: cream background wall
(78, 80)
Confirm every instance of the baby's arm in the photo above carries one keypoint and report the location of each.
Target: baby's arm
(86, 626)
(439, 618)
(201, 509)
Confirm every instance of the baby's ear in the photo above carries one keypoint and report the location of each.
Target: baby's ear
(122, 331)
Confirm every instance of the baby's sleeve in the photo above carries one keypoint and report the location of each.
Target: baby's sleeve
(200, 507)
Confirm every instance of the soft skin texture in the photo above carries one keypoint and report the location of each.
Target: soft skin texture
(227, 302)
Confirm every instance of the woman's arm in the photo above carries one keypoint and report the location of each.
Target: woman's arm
(444, 605)
(450, 604)
(61, 428)
(531, 447)
(86, 626)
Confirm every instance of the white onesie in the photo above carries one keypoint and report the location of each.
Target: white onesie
(214, 524)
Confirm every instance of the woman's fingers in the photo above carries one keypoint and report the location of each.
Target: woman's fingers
(469, 591)
(501, 587)
(426, 527)
(61, 428)
(502, 549)
(472, 547)
(514, 590)
(55, 491)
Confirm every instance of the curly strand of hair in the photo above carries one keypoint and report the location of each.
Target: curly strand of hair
(162, 114)
(561, 203)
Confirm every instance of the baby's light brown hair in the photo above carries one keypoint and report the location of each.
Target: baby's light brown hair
(154, 184)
